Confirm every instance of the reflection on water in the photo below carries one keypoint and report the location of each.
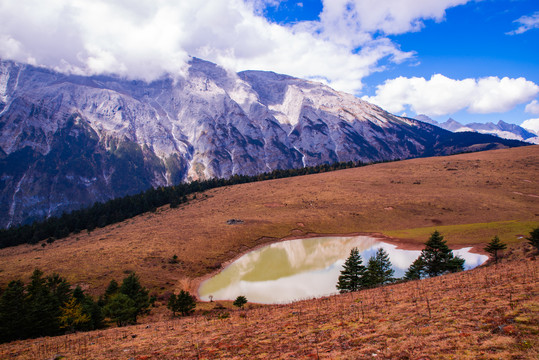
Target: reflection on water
(304, 268)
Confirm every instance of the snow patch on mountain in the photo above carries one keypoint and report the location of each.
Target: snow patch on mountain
(68, 141)
(501, 129)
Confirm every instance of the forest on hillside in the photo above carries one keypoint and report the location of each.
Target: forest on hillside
(113, 211)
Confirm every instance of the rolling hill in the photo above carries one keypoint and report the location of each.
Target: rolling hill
(487, 313)
(469, 198)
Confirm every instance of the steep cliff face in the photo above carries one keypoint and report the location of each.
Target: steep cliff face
(68, 141)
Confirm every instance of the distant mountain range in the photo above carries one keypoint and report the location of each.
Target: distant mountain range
(68, 141)
(501, 129)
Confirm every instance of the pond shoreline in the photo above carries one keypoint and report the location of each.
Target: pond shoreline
(297, 234)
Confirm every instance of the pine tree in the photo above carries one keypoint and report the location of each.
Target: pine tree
(13, 312)
(41, 307)
(415, 270)
(379, 271)
(352, 274)
(72, 316)
(534, 238)
(438, 259)
(112, 289)
(91, 308)
(60, 293)
(121, 309)
(184, 303)
(240, 301)
(131, 287)
(494, 246)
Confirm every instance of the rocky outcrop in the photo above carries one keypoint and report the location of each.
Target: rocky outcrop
(67, 141)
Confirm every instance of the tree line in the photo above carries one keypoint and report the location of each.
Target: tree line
(435, 259)
(48, 306)
(123, 208)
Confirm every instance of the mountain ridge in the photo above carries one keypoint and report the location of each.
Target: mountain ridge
(67, 141)
(501, 129)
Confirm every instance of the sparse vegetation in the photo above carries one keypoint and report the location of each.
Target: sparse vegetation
(484, 313)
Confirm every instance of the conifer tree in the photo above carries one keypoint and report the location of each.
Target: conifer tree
(352, 274)
(240, 301)
(494, 246)
(121, 309)
(438, 259)
(415, 270)
(135, 291)
(72, 316)
(184, 303)
(41, 308)
(379, 271)
(89, 307)
(112, 288)
(534, 238)
(13, 312)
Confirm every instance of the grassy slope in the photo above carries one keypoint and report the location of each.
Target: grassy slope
(486, 313)
(499, 188)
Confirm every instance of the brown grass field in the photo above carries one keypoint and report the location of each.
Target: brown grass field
(469, 198)
(487, 313)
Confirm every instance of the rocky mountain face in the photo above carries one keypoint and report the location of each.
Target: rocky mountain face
(501, 129)
(68, 141)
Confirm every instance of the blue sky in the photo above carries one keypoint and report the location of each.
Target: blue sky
(473, 40)
(473, 60)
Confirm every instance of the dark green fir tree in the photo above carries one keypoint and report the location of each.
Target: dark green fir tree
(494, 246)
(352, 276)
(438, 258)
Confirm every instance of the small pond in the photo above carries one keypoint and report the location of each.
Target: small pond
(305, 268)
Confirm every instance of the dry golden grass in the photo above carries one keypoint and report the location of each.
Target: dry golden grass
(486, 313)
(497, 189)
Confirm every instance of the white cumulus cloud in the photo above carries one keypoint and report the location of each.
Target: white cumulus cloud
(532, 108)
(526, 23)
(146, 38)
(441, 95)
(531, 124)
(349, 17)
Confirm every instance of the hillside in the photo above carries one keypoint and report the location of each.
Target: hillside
(68, 141)
(486, 313)
(469, 198)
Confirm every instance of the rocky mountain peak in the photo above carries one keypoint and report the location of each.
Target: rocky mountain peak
(67, 141)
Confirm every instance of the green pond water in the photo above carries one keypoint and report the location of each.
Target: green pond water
(305, 268)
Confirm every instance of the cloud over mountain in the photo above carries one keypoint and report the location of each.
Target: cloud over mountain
(144, 38)
(441, 95)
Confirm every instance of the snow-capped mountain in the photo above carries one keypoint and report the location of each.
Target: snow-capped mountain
(67, 141)
(501, 129)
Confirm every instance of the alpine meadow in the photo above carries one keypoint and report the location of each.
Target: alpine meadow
(269, 179)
